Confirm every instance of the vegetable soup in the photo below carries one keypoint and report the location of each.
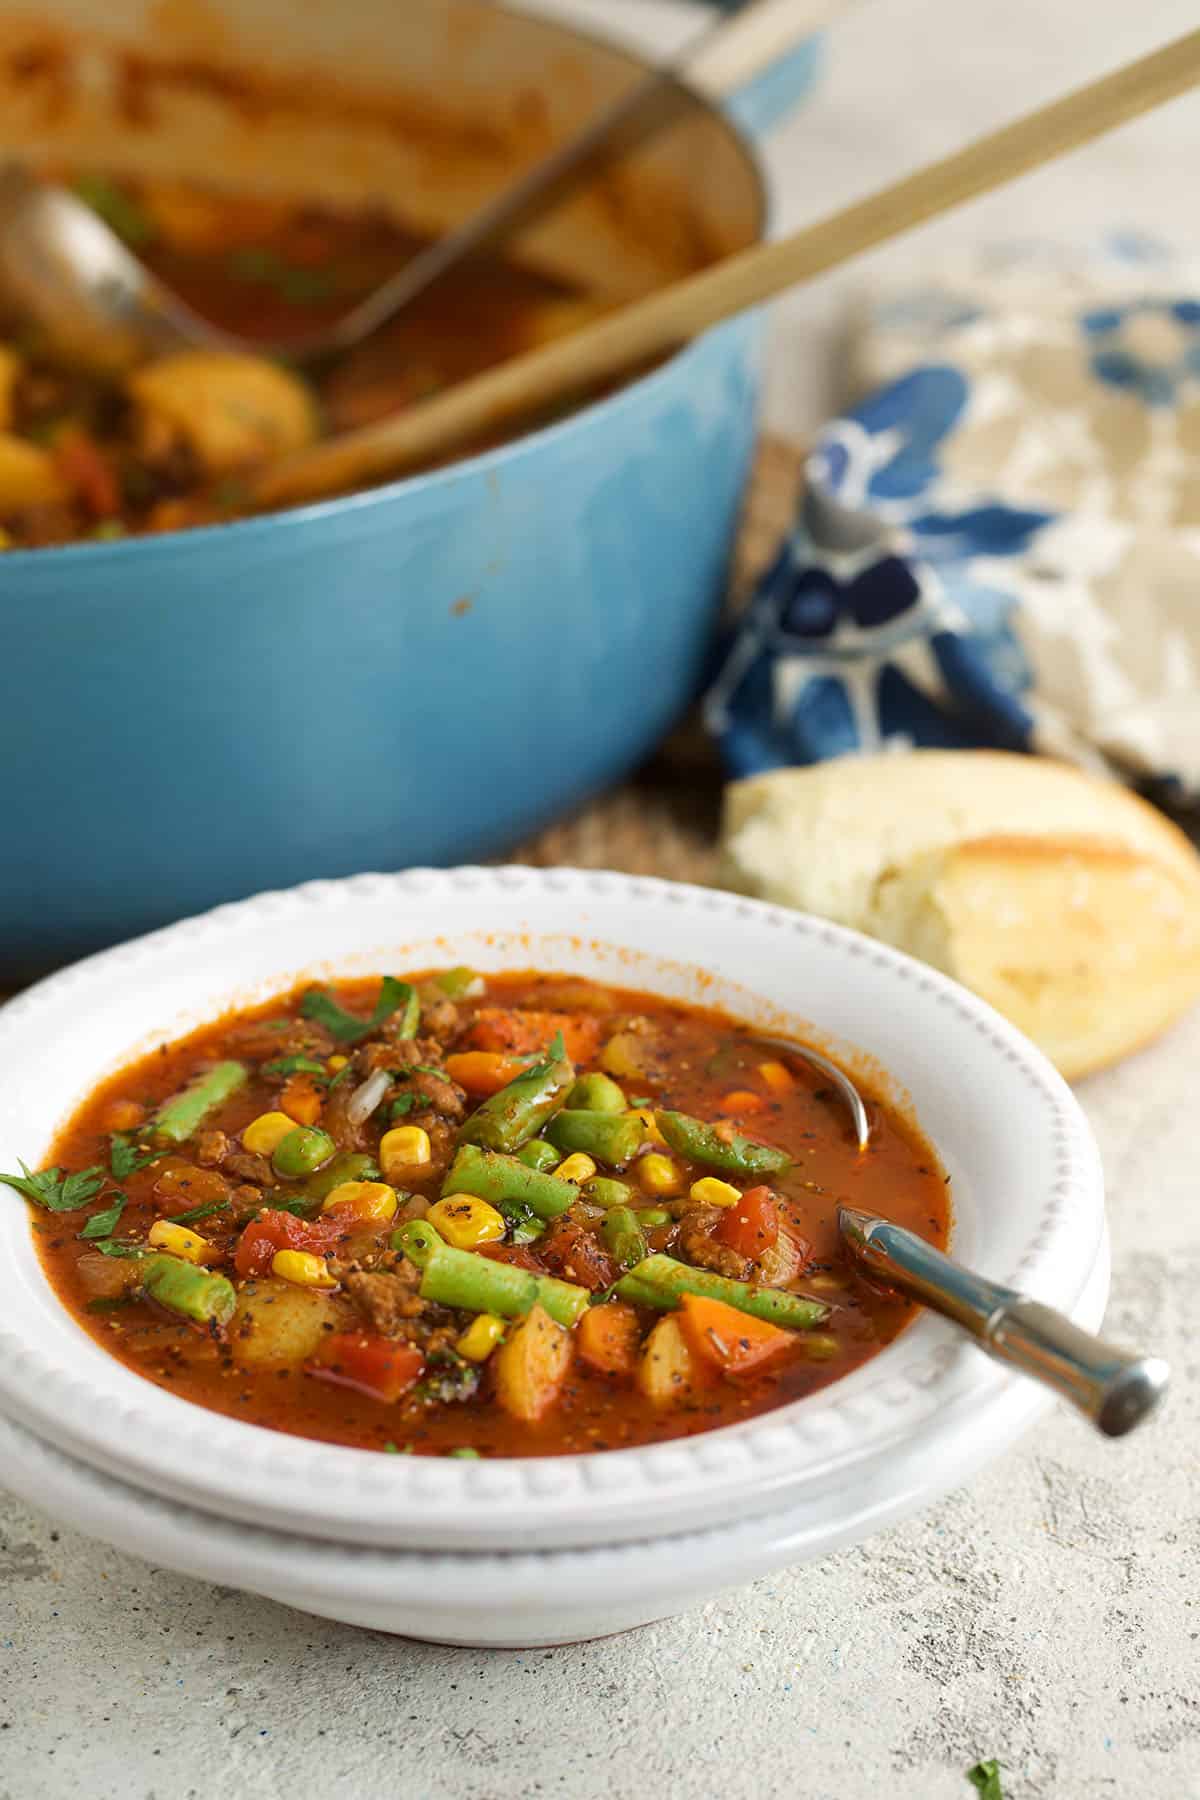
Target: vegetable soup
(456, 1215)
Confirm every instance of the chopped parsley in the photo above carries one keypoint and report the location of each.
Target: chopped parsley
(125, 1157)
(121, 1247)
(54, 1190)
(294, 1065)
(404, 1103)
(985, 1777)
(198, 1212)
(103, 1224)
(323, 1009)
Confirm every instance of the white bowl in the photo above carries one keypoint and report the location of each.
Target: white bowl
(1026, 1188)
(516, 1601)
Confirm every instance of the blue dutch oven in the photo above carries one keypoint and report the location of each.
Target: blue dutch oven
(425, 672)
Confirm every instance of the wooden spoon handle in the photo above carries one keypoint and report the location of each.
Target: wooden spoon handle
(566, 368)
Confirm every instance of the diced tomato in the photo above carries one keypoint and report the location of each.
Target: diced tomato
(751, 1226)
(608, 1336)
(730, 1340)
(382, 1367)
(483, 1072)
(519, 1031)
(273, 1231)
(83, 465)
(519, 1255)
(571, 1252)
(301, 1099)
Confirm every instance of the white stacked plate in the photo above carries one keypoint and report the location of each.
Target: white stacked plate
(530, 1551)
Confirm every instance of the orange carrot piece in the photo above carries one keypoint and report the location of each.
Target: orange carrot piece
(521, 1032)
(734, 1341)
(607, 1338)
(742, 1101)
(483, 1072)
(301, 1099)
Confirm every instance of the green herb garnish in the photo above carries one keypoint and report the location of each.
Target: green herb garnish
(198, 1212)
(403, 1104)
(323, 1009)
(109, 1303)
(125, 1157)
(985, 1776)
(54, 1190)
(342, 1075)
(294, 1065)
(103, 1224)
(121, 1247)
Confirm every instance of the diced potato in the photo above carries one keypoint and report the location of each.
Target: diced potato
(10, 368)
(231, 409)
(277, 1325)
(626, 1054)
(28, 475)
(179, 1183)
(667, 1371)
(106, 1277)
(532, 1366)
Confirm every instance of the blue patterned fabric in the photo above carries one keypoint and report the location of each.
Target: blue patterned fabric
(885, 619)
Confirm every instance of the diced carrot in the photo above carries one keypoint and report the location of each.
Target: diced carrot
(778, 1077)
(382, 1367)
(607, 1338)
(483, 1072)
(742, 1101)
(520, 1031)
(301, 1099)
(732, 1341)
(83, 465)
(752, 1225)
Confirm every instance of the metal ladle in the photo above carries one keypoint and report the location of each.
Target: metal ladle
(1116, 1389)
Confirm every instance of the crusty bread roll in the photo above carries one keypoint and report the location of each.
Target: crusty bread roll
(1067, 902)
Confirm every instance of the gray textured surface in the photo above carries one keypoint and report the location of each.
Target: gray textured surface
(1049, 1615)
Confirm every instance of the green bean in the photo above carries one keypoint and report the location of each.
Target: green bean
(518, 1111)
(507, 1183)
(596, 1093)
(351, 1165)
(611, 1138)
(650, 1217)
(177, 1118)
(602, 1191)
(660, 1281)
(700, 1143)
(303, 1151)
(538, 1154)
(477, 1284)
(183, 1288)
(623, 1236)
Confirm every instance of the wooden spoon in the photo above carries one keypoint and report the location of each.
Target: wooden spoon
(560, 371)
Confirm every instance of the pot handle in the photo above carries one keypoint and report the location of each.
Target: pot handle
(761, 64)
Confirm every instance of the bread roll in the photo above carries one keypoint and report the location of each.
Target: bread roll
(1064, 900)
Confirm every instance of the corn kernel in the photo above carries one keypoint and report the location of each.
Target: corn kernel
(711, 1192)
(653, 1134)
(302, 1268)
(178, 1241)
(576, 1168)
(660, 1174)
(264, 1135)
(404, 1147)
(480, 1338)
(335, 1063)
(778, 1077)
(465, 1221)
(372, 1201)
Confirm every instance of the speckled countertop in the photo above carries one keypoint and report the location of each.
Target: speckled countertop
(1048, 1615)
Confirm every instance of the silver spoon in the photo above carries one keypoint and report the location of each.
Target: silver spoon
(69, 272)
(1116, 1389)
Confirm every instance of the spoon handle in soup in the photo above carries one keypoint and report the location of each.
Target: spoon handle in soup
(1114, 1388)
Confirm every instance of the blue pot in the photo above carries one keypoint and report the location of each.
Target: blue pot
(424, 673)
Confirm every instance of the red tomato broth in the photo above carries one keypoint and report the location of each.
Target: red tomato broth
(701, 1055)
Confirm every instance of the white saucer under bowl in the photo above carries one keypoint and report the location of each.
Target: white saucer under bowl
(516, 1601)
(1026, 1189)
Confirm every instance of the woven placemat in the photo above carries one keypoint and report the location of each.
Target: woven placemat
(664, 821)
